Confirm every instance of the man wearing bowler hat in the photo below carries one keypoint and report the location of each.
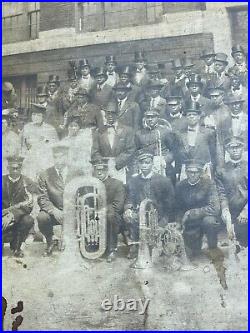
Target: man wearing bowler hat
(232, 185)
(102, 92)
(240, 66)
(140, 77)
(129, 113)
(116, 142)
(85, 80)
(115, 194)
(197, 209)
(17, 204)
(220, 65)
(197, 142)
(110, 64)
(50, 199)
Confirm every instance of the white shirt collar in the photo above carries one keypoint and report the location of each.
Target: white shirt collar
(195, 98)
(177, 115)
(14, 180)
(148, 176)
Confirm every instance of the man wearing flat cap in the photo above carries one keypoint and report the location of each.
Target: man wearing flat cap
(9, 97)
(147, 185)
(17, 204)
(116, 142)
(102, 92)
(50, 199)
(110, 64)
(90, 114)
(232, 185)
(159, 141)
(197, 209)
(37, 138)
(240, 66)
(196, 141)
(115, 194)
(129, 113)
(86, 80)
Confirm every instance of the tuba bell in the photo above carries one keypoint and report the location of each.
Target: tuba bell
(85, 215)
(148, 234)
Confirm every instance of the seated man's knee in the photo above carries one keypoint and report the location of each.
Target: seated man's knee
(210, 222)
(27, 222)
(43, 218)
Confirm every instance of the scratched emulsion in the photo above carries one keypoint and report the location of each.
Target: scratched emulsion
(69, 297)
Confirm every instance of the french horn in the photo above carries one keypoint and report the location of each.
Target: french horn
(85, 217)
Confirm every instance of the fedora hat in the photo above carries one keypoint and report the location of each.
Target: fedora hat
(221, 57)
(231, 99)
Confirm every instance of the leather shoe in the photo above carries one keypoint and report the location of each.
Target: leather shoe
(111, 257)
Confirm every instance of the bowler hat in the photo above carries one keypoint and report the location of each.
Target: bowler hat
(193, 107)
(237, 48)
(110, 58)
(206, 53)
(221, 57)
(140, 56)
(41, 91)
(37, 108)
(195, 79)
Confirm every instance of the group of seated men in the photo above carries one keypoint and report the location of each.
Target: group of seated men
(179, 141)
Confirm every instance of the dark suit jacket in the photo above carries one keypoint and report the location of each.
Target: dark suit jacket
(123, 147)
(115, 193)
(130, 115)
(15, 193)
(103, 96)
(91, 115)
(51, 188)
(205, 103)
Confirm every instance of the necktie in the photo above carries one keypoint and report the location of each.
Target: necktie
(191, 130)
(60, 175)
(119, 104)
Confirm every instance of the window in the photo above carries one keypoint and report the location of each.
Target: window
(173, 7)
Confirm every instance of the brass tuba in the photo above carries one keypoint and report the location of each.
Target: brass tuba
(85, 216)
(148, 233)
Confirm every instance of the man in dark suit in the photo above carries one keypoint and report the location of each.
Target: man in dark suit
(17, 204)
(153, 99)
(197, 209)
(50, 199)
(196, 141)
(220, 65)
(232, 185)
(129, 113)
(174, 113)
(147, 185)
(102, 92)
(114, 140)
(136, 93)
(115, 194)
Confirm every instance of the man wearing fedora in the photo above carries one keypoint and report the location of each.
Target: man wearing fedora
(89, 113)
(140, 77)
(197, 142)
(17, 204)
(129, 113)
(102, 92)
(115, 195)
(37, 138)
(197, 209)
(153, 98)
(116, 142)
(240, 66)
(194, 93)
(110, 64)
(85, 79)
(51, 183)
(232, 185)
(220, 65)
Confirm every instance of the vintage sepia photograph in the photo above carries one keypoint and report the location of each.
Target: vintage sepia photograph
(125, 166)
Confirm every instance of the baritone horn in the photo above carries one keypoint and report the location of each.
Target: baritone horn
(85, 216)
(148, 234)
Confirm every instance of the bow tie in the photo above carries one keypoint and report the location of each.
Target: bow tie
(111, 74)
(235, 89)
(191, 130)
(235, 117)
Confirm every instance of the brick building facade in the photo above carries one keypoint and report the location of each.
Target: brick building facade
(40, 38)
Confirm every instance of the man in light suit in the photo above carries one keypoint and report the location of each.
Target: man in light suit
(85, 81)
(110, 64)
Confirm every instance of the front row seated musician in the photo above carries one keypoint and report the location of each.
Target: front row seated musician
(17, 204)
(147, 185)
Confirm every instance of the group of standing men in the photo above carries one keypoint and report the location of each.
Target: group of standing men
(180, 141)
